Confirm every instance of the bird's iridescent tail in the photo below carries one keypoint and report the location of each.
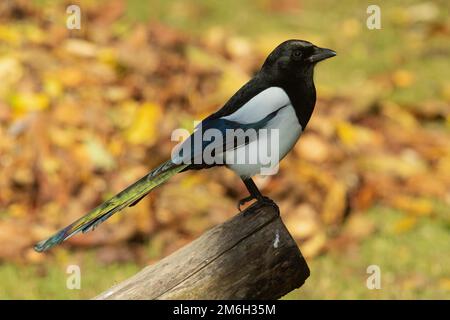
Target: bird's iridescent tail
(125, 198)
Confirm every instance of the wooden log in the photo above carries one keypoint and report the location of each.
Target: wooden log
(251, 256)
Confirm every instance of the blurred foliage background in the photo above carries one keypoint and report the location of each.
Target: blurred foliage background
(84, 113)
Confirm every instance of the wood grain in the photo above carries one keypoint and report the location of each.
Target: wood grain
(251, 256)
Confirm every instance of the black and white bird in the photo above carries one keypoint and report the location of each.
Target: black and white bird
(278, 101)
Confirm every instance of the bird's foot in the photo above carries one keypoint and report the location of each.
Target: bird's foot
(265, 201)
(244, 201)
(261, 202)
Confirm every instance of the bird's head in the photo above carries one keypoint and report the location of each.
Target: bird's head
(294, 59)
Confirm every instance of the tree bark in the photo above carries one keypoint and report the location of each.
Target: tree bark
(251, 256)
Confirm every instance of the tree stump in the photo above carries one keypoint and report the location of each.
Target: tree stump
(250, 256)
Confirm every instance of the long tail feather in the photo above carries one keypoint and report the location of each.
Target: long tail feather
(125, 198)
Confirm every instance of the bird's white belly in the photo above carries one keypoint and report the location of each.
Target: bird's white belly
(263, 155)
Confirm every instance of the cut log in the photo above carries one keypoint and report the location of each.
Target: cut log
(251, 256)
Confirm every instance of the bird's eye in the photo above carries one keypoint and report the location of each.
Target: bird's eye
(297, 54)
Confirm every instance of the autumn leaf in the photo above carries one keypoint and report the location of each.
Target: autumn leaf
(144, 127)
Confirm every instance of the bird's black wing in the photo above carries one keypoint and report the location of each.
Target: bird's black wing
(192, 149)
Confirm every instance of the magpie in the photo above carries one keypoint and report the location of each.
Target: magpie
(281, 96)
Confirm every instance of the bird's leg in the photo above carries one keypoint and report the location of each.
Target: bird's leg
(254, 194)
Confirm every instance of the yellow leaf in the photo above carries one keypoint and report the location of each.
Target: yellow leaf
(416, 206)
(50, 165)
(444, 283)
(10, 34)
(115, 147)
(17, 210)
(353, 136)
(403, 78)
(405, 224)
(445, 91)
(144, 127)
(34, 34)
(107, 56)
(334, 203)
(11, 72)
(399, 115)
(71, 77)
(25, 102)
(53, 87)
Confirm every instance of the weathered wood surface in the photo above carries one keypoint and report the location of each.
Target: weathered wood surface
(251, 256)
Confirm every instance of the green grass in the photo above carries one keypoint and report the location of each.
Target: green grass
(414, 264)
(48, 281)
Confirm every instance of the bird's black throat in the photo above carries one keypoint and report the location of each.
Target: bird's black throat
(302, 93)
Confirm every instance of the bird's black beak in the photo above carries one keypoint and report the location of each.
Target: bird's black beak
(321, 54)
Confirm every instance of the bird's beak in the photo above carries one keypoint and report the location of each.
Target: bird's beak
(321, 54)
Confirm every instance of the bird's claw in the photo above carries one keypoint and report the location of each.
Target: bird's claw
(244, 201)
(264, 201)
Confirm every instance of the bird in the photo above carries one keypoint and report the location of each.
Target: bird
(279, 98)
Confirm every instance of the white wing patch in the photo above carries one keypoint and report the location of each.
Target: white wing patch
(260, 106)
(289, 130)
